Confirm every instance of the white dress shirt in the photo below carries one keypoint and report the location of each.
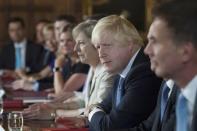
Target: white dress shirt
(170, 84)
(189, 92)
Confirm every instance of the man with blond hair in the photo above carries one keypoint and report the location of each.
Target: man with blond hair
(135, 89)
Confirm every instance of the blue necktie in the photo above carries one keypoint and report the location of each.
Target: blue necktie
(18, 62)
(120, 91)
(181, 114)
(164, 99)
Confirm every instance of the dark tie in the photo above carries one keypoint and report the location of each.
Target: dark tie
(18, 62)
(164, 99)
(120, 91)
(182, 114)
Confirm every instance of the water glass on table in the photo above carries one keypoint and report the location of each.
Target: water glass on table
(15, 121)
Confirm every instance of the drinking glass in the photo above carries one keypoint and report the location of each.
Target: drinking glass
(15, 121)
(1, 106)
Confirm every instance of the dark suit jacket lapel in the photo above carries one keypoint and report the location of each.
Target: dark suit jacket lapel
(157, 121)
(27, 53)
(170, 107)
(140, 58)
(158, 124)
(170, 103)
(12, 55)
(194, 121)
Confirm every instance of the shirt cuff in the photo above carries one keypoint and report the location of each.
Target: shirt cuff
(95, 110)
(35, 86)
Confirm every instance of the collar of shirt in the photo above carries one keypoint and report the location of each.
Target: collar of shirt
(21, 44)
(189, 92)
(126, 70)
(170, 84)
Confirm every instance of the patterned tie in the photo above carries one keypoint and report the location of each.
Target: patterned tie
(181, 114)
(18, 62)
(120, 91)
(164, 99)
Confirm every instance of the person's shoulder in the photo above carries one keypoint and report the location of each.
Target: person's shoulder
(34, 45)
(7, 46)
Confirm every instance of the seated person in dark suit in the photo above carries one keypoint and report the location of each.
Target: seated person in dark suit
(43, 79)
(163, 117)
(136, 87)
(172, 48)
(20, 55)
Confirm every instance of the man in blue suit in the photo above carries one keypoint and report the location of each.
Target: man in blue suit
(136, 87)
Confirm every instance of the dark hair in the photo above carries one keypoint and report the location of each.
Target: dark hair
(68, 28)
(96, 16)
(180, 17)
(69, 18)
(17, 20)
(43, 21)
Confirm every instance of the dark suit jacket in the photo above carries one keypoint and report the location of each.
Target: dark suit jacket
(33, 57)
(153, 123)
(194, 121)
(141, 90)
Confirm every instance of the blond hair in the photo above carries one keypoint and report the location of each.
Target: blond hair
(119, 28)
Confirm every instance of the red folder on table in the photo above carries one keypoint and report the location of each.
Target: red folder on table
(64, 129)
(12, 103)
(30, 96)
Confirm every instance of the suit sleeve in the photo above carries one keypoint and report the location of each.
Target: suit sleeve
(136, 105)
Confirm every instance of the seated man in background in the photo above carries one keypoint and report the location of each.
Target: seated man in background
(39, 36)
(61, 22)
(43, 79)
(135, 89)
(20, 55)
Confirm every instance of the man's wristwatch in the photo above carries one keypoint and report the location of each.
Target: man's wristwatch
(57, 69)
(53, 115)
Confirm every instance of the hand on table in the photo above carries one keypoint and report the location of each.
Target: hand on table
(22, 84)
(39, 112)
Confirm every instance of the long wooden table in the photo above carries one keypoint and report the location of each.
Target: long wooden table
(29, 125)
(32, 125)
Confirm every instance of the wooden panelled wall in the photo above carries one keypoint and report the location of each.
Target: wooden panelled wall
(33, 10)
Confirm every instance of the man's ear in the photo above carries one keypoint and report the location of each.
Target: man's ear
(187, 52)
